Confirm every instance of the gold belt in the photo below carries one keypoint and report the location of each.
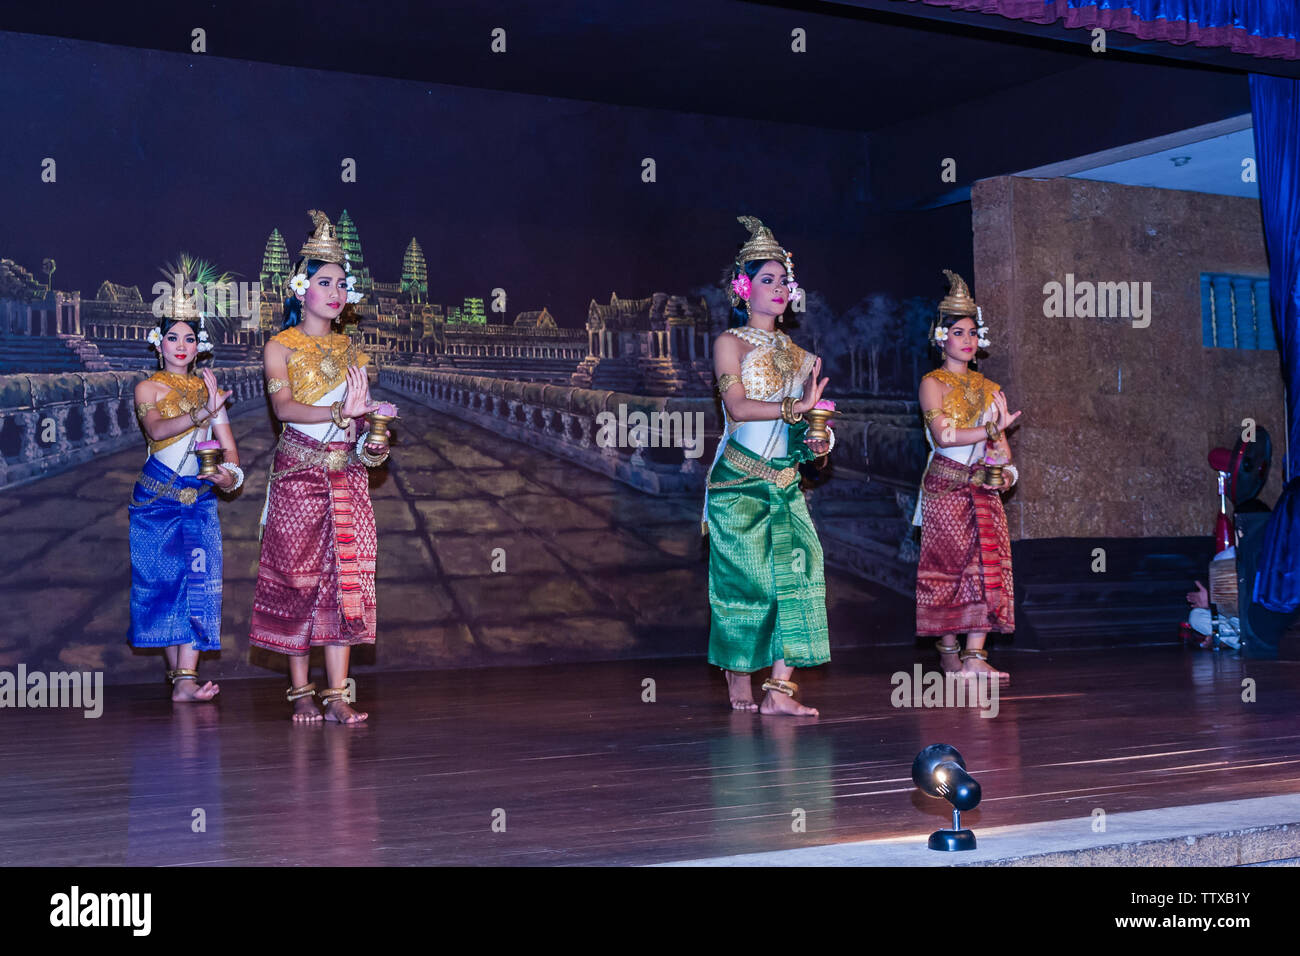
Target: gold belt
(976, 477)
(186, 496)
(333, 460)
(755, 469)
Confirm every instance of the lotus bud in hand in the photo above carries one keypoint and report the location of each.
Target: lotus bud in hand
(819, 417)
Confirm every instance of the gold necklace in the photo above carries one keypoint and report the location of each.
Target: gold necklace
(328, 366)
(782, 358)
(191, 391)
(967, 396)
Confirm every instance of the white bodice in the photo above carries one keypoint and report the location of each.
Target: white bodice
(319, 430)
(179, 456)
(766, 439)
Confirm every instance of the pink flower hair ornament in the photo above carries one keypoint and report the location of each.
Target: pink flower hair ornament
(741, 286)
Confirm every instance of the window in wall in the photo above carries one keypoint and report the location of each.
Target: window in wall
(1235, 313)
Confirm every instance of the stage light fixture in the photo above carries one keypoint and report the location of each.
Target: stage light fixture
(940, 771)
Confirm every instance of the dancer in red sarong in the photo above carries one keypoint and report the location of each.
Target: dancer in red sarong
(963, 577)
(316, 577)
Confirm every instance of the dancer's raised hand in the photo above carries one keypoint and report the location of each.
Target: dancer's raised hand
(216, 397)
(1005, 419)
(812, 395)
(357, 402)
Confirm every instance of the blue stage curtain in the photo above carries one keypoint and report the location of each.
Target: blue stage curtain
(1275, 105)
(1265, 28)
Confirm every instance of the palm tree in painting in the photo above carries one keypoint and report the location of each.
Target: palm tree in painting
(220, 300)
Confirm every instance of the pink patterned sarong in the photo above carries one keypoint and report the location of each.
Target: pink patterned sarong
(316, 578)
(963, 577)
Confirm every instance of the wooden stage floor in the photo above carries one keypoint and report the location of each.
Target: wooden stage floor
(588, 773)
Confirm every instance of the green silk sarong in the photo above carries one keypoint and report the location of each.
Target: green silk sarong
(767, 587)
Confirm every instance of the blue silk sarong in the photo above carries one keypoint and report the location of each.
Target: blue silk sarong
(175, 564)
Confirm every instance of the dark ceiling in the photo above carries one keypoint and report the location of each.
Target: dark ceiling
(869, 63)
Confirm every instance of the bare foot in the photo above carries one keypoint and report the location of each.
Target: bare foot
(340, 712)
(741, 691)
(973, 666)
(950, 663)
(190, 690)
(776, 703)
(305, 710)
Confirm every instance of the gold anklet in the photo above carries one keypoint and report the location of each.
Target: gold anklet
(306, 690)
(787, 687)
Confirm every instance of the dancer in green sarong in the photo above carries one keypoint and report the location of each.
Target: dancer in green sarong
(767, 588)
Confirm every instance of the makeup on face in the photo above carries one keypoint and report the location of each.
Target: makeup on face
(772, 281)
(327, 293)
(180, 343)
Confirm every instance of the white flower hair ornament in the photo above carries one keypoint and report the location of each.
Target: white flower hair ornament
(154, 338)
(299, 283)
(981, 329)
(353, 297)
(205, 343)
(940, 334)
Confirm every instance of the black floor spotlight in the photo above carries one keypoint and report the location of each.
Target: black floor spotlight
(940, 772)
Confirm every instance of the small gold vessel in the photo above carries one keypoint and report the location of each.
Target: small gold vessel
(817, 419)
(209, 459)
(379, 433)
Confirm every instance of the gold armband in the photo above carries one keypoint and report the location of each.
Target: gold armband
(726, 381)
(143, 408)
(932, 414)
(273, 385)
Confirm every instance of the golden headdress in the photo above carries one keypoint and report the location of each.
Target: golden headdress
(180, 307)
(762, 245)
(323, 244)
(958, 301)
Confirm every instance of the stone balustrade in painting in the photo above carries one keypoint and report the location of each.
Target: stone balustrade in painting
(50, 422)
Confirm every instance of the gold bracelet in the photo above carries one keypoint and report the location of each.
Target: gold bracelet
(194, 416)
(336, 413)
(992, 431)
(788, 413)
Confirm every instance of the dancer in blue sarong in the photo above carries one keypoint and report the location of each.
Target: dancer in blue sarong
(175, 533)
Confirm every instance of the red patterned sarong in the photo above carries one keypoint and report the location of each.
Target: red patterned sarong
(316, 578)
(963, 578)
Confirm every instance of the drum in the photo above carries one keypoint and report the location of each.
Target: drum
(1223, 586)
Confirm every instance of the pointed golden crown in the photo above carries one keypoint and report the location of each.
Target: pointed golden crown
(761, 245)
(323, 244)
(180, 307)
(958, 301)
